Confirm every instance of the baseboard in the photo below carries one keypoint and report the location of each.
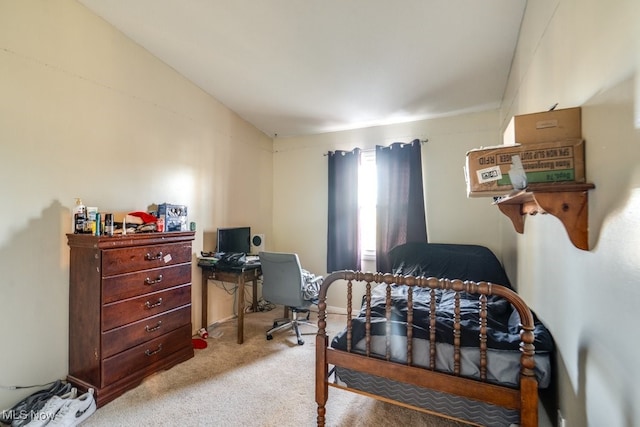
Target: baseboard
(336, 310)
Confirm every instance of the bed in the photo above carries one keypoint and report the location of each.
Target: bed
(444, 333)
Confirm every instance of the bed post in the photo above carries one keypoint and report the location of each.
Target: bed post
(528, 402)
(322, 386)
(528, 381)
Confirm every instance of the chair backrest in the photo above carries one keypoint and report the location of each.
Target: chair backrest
(282, 279)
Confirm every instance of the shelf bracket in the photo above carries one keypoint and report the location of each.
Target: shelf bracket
(514, 212)
(571, 208)
(568, 203)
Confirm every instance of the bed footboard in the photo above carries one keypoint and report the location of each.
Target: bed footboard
(370, 350)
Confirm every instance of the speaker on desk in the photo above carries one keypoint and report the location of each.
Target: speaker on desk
(257, 243)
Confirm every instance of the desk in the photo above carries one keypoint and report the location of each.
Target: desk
(239, 276)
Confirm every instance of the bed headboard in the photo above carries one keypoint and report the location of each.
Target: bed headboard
(448, 260)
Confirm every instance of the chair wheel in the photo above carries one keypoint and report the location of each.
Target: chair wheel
(300, 342)
(269, 337)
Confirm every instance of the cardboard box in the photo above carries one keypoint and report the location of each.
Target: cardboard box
(487, 169)
(556, 125)
(174, 216)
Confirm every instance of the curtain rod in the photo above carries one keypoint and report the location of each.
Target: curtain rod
(422, 141)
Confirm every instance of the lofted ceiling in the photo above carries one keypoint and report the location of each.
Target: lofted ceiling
(301, 67)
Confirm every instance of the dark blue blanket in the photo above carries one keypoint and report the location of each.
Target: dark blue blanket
(448, 261)
(464, 262)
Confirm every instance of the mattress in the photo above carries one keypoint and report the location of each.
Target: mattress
(503, 366)
(502, 330)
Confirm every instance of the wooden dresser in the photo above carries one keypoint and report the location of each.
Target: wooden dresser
(129, 309)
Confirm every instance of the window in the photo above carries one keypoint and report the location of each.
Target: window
(367, 194)
(362, 227)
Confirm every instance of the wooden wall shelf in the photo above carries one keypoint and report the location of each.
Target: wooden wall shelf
(569, 202)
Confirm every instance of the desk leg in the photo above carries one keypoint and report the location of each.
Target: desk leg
(254, 303)
(205, 297)
(240, 298)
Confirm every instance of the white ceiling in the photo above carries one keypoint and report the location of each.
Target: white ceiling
(300, 67)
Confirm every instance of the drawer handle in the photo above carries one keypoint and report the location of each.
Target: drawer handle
(148, 281)
(156, 351)
(155, 328)
(149, 305)
(150, 257)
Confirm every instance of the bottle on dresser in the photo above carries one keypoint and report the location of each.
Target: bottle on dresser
(79, 217)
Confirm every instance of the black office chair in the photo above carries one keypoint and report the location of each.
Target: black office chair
(283, 283)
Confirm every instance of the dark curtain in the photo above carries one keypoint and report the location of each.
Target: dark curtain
(400, 216)
(343, 242)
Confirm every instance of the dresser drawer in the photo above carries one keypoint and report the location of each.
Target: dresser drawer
(130, 310)
(122, 338)
(139, 357)
(128, 259)
(129, 285)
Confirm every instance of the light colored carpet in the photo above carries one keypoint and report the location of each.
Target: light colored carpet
(257, 383)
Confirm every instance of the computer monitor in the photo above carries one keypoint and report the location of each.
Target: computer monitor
(234, 239)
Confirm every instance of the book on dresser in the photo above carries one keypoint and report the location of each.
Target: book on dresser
(129, 308)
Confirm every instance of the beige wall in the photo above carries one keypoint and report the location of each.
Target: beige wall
(85, 112)
(300, 184)
(585, 54)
